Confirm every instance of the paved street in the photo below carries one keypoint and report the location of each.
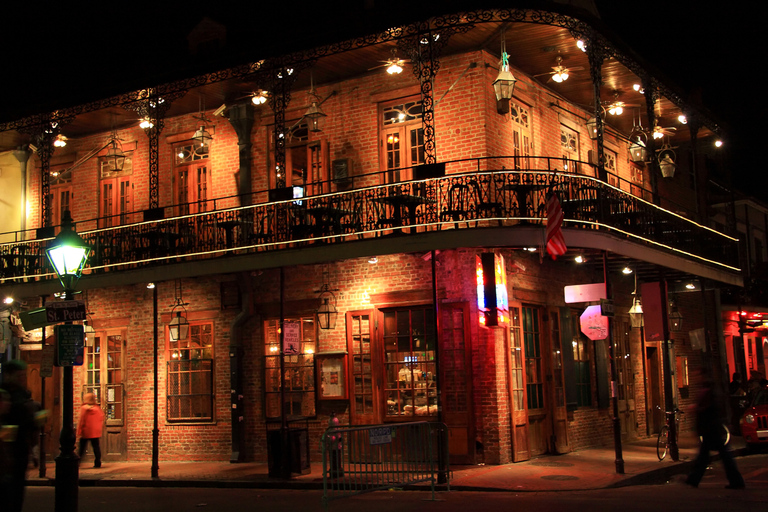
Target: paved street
(711, 495)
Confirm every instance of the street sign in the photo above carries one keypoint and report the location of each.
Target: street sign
(33, 319)
(70, 340)
(584, 292)
(65, 311)
(606, 307)
(593, 324)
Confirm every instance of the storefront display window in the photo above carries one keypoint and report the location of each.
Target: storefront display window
(409, 352)
(298, 366)
(190, 375)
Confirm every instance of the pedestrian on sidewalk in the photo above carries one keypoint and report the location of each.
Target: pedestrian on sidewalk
(21, 416)
(89, 427)
(709, 429)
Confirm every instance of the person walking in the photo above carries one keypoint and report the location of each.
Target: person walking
(708, 427)
(89, 427)
(21, 416)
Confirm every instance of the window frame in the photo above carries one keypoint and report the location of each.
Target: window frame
(173, 355)
(301, 365)
(405, 130)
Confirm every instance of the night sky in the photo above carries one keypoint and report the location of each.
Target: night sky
(56, 55)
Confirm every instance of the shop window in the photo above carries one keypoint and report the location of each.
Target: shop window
(298, 368)
(581, 365)
(402, 139)
(190, 375)
(192, 178)
(409, 363)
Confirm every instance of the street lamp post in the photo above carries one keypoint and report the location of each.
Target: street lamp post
(67, 254)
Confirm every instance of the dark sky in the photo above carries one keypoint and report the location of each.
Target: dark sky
(709, 50)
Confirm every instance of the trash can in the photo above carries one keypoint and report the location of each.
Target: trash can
(288, 452)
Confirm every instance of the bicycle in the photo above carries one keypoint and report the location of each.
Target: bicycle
(662, 443)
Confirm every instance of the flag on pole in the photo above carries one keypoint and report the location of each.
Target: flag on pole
(555, 241)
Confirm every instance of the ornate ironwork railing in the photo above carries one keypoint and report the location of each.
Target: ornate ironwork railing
(471, 196)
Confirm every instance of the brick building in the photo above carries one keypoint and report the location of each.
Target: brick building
(319, 181)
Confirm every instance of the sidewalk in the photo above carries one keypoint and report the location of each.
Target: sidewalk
(592, 468)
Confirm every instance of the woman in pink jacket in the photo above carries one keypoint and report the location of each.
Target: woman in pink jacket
(89, 427)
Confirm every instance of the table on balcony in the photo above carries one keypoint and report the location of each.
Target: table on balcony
(229, 225)
(158, 243)
(400, 202)
(522, 193)
(327, 219)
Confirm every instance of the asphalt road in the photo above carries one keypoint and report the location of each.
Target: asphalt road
(674, 495)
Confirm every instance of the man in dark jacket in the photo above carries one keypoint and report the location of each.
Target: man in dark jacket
(709, 428)
(21, 415)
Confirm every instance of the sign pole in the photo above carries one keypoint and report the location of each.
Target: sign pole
(614, 383)
(67, 470)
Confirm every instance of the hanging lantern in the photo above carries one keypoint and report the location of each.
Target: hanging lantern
(636, 313)
(115, 157)
(667, 162)
(592, 128)
(637, 151)
(178, 327)
(327, 313)
(202, 138)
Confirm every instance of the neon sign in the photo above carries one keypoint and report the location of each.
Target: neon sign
(492, 298)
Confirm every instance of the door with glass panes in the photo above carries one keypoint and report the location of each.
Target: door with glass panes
(104, 377)
(392, 365)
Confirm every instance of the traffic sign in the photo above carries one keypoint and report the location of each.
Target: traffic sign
(70, 339)
(65, 311)
(593, 324)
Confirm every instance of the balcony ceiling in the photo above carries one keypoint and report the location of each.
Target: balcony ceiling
(533, 51)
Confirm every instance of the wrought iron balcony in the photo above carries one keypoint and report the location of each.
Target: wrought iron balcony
(469, 196)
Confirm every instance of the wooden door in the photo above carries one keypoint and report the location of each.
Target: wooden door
(654, 402)
(456, 382)
(50, 401)
(105, 375)
(116, 201)
(364, 389)
(520, 450)
(539, 421)
(560, 441)
(625, 385)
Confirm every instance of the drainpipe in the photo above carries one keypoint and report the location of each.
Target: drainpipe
(22, 155)
(236, 371)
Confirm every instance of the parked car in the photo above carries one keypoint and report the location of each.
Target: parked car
(754, 422)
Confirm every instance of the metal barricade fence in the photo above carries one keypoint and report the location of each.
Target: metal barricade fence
(374, 457)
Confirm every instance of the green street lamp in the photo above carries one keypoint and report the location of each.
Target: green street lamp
(67, 254)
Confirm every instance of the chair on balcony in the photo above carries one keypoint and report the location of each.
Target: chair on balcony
(484, 205)
(263, 227)
(457, 205)
(353, 223)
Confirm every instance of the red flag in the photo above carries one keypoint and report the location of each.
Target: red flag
(555, 241)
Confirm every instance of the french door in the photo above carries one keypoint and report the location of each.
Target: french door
(104, 377)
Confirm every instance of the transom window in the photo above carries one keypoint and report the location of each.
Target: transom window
(190, 375)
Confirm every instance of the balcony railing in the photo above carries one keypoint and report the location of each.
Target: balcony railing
(469, 196)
